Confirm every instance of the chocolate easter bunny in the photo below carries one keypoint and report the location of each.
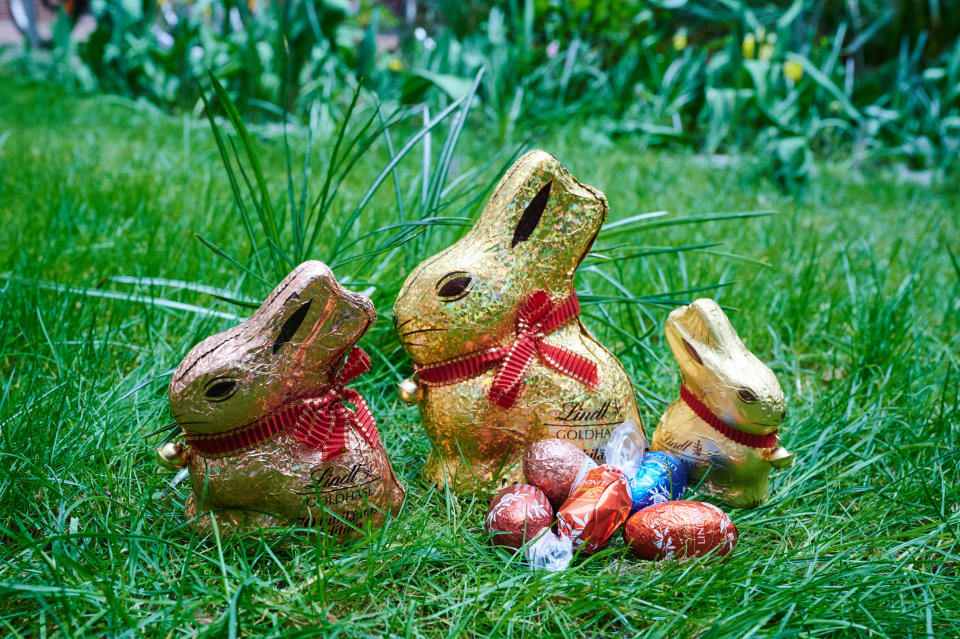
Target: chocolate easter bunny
(492, 325)
(269, 439)
(724, 426)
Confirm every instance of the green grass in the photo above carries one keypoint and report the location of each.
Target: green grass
(849, 293)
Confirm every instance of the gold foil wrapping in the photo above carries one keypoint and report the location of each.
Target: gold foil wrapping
(466, 299)
(290, 349)
(739, 390)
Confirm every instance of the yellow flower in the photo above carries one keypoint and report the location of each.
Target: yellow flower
(749, 46)
(793, 70)
(252, 5)
(680, 40)
(766, 51)
(395, 65)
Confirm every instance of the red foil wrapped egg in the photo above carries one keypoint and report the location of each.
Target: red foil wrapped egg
(675, 529)
(518, 514)
(553, 466)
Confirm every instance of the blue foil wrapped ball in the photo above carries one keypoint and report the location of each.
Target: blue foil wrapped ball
(661, 477)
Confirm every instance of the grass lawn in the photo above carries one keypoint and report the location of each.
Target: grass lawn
(850, 292)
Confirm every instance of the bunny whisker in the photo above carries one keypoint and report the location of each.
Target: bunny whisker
(422, 330)
(405, 322)
(411, 343)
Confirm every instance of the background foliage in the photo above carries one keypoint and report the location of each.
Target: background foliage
(873, 80)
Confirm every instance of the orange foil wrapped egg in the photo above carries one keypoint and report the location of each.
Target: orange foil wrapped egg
(596, 508)
(518, 514)
(677, 529)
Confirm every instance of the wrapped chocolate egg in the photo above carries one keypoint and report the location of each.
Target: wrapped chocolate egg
(661, 477)
(555, 467)
(518, 514)
(596, 508)
(676, 529)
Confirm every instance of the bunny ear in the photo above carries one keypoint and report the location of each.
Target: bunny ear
(541, 220)
(715, 328)
(692, 351)
(291, 326)
(531, 215)
(705, 327)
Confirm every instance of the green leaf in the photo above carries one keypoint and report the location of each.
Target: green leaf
(454, 86)
(826, 84)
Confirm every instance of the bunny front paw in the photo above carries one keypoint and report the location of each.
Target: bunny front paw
(780, 457)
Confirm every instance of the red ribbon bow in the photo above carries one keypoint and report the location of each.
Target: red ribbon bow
(538, 317)
(317, 422)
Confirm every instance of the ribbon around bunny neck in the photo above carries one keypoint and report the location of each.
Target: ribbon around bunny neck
(316, 422)
(703, 412)
(537, 317)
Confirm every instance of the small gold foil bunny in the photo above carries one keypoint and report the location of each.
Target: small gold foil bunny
(269, 440)
(724, 425)
(492, 326)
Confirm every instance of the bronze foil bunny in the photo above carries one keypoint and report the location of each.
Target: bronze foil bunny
(492, 325)
(269, 437)
(725, 425)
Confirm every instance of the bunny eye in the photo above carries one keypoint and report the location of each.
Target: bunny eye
(454, 286)
(220, 389)
(746, 395)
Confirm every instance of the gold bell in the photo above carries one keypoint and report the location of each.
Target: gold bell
(780, 457)
(410, 392)
(172, 456)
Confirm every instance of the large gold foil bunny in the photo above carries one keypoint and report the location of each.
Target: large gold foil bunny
(492, 326)
(724, 426)
(269, 440)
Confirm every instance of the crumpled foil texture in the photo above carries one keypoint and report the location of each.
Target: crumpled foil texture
(596, 508)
